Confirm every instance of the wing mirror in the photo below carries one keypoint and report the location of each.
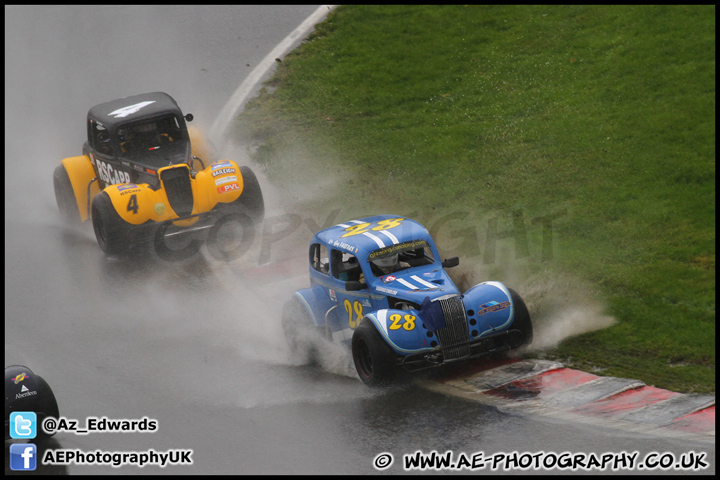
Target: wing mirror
(189, 117)
(451, 262)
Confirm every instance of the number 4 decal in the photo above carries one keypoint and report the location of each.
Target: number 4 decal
(132, 205)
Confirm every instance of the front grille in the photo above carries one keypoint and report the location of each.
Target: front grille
(454, 336)
(178, 189)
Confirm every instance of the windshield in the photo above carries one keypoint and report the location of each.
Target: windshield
(399, 257)
(150, 135)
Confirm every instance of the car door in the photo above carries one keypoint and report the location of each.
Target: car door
(351, 305)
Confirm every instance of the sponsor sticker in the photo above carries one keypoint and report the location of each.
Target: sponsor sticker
(220, 164)
(228, 188)
(223, 171)
(492, 306)
(22, 376)
(110, 175)
(221, 181)
(386, 290)
(159, 209)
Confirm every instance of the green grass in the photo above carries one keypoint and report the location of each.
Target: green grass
(601, 117)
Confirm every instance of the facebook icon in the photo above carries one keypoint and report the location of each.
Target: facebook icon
(23, 456)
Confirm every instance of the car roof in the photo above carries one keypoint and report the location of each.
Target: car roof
(126, 109)
(373, 235)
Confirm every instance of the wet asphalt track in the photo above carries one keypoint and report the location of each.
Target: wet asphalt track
(197, 344)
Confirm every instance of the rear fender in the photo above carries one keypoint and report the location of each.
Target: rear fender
(490, 305)
(316, 302)
(81, 173)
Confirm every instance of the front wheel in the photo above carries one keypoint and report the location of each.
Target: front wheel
(111, 230)
(374, 359)
(522, 320)
(251, 197)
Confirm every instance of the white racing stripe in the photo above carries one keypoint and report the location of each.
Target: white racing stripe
(392, 237)
(423, 282)
(406, 283)
(382, 320)
(376, 239)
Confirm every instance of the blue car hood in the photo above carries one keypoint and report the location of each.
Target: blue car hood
(415, 284)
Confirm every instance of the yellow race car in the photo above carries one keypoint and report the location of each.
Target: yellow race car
(144, 173)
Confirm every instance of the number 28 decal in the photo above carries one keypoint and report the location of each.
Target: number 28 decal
(381, 225)
(406, 321)
(357, 308)
(398, 321)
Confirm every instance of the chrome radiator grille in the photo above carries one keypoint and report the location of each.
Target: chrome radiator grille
(454, 337)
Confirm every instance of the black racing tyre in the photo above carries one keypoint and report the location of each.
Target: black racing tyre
(65, 196)
(374, 359)
(522, 320)
(48, 405)
(300, 332)
(251, 197)
(111, 230)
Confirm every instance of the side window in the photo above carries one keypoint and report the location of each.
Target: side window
(346, 266)
(319, 258)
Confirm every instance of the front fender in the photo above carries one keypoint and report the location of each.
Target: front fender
(403, 330)
(81, 173)
(490, 305)
(138, 203)
(220, 182)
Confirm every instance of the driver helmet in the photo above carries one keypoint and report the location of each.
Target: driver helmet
(386, 262)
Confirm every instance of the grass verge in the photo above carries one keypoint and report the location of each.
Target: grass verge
(568, 149)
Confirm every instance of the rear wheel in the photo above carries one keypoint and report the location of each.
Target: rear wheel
(374, 359)
(111, 230)
(522, 320)
(300, 332)
(65, 196)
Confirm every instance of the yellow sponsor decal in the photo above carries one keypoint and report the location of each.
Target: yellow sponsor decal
(160, 209)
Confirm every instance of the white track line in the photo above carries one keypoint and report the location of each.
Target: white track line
(232, 107)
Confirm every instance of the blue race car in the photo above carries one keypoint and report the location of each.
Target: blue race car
(377, 284)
